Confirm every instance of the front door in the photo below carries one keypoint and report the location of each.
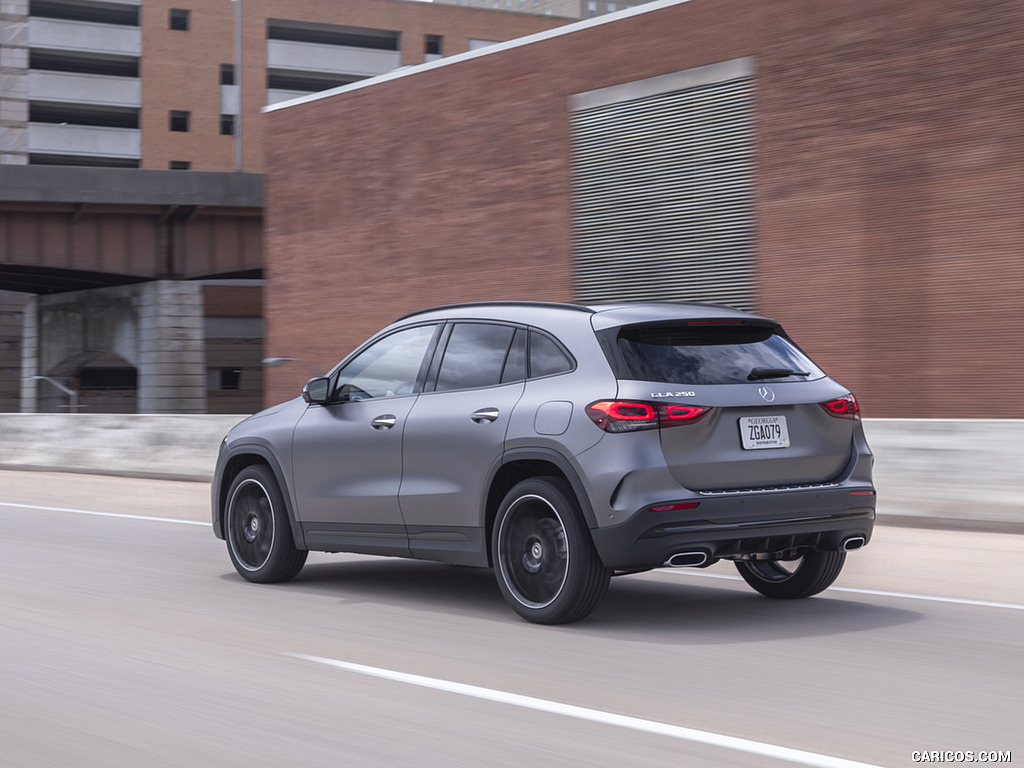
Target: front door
(347, 455)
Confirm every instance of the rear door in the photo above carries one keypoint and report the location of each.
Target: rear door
(768, 426)
(456, 432)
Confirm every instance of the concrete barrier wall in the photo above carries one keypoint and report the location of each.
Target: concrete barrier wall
(957, 473)
(953, 472)
(174, 446)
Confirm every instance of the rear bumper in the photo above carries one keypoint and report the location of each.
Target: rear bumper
(730, 525)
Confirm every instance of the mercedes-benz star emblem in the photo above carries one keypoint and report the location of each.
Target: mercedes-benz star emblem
(766, 394)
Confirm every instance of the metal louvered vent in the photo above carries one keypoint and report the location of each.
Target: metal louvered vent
(664, 195)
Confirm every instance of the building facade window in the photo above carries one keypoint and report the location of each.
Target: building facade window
(227, 125)
(230, 378)
(180, 19)
(179, 121)
(180, 165)
(227, 74)
(433, 45)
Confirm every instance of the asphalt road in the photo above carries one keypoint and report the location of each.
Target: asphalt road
(130, 641)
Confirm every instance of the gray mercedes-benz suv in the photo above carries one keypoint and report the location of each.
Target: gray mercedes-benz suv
(560, 445)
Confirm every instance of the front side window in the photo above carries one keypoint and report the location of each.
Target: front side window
(710, 354)
(387, 368)
(475, 356)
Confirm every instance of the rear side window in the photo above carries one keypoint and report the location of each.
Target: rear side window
(709, 354)
(475, 356)
(515, 363)
(546, 357)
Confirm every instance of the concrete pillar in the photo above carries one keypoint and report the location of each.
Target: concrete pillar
(172, 356)
(13, 82)
(29, 354)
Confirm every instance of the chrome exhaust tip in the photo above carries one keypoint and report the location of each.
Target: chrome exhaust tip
(852, 543)
(687, 560)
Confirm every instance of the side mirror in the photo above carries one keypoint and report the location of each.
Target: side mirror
(317, 391)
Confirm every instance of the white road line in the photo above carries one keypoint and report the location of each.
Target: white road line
(597, 716)
(103, 514)
(856, 591)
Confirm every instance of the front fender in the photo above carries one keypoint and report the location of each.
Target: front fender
(234, 459)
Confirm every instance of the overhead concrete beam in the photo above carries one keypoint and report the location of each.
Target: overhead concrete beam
(129, 186)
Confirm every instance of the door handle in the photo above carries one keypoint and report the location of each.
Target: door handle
(387, 421)
(485, 414)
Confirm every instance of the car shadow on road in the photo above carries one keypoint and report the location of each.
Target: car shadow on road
(416, 584)
(688, 610)
(698, 611)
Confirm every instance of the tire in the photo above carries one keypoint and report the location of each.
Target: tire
(814, 573)
(544, 559)
(257, 529)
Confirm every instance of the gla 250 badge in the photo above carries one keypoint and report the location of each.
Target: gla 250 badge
(673, 394)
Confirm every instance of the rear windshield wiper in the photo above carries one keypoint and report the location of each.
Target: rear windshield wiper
(774, 373)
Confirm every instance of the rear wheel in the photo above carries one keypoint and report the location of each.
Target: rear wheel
(793, 579)
(258, 532)
(544, 559)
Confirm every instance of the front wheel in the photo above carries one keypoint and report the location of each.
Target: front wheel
(257, 529)
(544, 559)
(791, 580)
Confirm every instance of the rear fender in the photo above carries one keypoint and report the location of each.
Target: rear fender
(551, 457)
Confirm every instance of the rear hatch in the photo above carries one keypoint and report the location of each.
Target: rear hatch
(773, 418)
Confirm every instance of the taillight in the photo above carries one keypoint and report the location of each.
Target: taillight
(632, 416)
(844, 407)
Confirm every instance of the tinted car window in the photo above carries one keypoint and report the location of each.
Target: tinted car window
(546, 357)
(713, 354)
(387, 368)
(515, 363)
(475, 356)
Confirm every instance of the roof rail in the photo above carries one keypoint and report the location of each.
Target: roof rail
(539, 304)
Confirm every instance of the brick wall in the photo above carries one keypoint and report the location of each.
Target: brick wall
(890, 181)
(181, 69)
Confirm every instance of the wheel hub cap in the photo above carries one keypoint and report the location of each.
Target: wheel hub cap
(252, 528)
(533, 557)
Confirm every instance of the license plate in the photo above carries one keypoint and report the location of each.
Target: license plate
(764, 432)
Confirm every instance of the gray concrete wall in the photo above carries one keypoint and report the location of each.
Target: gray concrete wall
(175, 446)
(950, 472)
(130, 186)
(156, 327)
(955, 474)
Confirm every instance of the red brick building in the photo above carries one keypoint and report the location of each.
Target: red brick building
(179, 67)
(123, 128)
(870, 195)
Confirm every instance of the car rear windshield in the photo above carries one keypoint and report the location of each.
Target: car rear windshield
(707, 354)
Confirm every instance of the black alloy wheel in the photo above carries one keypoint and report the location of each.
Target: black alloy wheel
(257, 529)
(544, 559)
(808, 575)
